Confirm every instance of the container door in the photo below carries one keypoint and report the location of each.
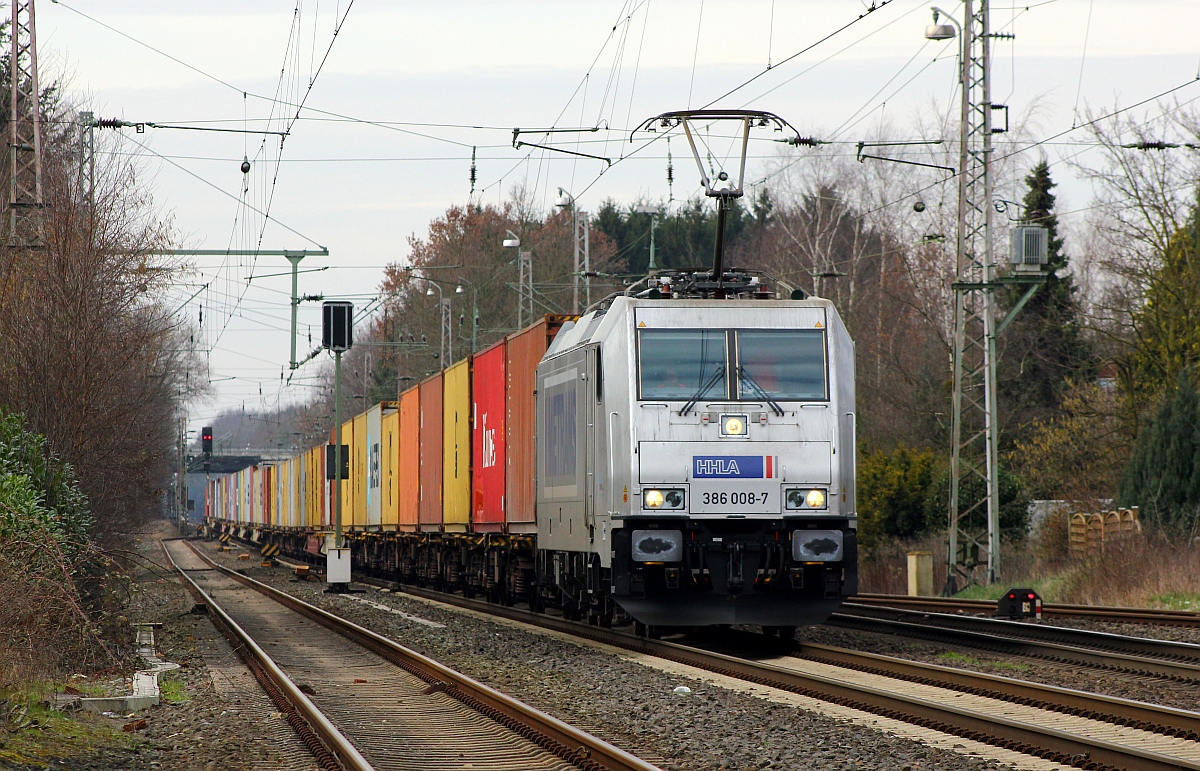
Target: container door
(409, 462)
(488, 437)
(374, 466)
(429, 511)
(525, 350)
(456, 446)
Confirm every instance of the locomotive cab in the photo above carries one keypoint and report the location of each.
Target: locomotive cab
(696, 462)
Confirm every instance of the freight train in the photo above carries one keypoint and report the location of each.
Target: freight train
(674, 459)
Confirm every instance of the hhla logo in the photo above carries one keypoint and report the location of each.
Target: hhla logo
(717, 467)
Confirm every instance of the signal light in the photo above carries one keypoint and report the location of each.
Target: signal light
(206, 440)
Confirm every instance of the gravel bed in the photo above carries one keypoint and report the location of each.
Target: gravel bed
(1151, 689)
(629, 705)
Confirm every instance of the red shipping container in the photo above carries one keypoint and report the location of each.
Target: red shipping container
(524, 351)
(409, 469)
(488, 440)
(429, 510)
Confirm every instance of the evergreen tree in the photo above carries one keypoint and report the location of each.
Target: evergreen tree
(685, 237)
(1163, 475)
(1044, 346)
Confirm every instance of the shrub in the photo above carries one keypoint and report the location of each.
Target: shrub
(892, 489)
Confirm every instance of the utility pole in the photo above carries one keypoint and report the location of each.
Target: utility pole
(974, 520)
(293, 256)
(25, 131)
(580, 232)
(181, 479)
(87, 159)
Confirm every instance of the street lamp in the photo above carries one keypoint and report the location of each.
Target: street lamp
(646, 209)
(447, 329)
(579, 237)
(474, 308)
(524, 277)
(937, 31)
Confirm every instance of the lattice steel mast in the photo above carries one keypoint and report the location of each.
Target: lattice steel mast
(974, 518)
(25, 131)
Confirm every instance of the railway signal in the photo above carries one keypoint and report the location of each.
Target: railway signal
(206, 441)
(337, 335)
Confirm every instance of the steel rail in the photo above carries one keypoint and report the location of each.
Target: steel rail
(563, 739)
(304, 716)
(1150, 717)
(1148, 616)
(1138, 665)
(1142, 646)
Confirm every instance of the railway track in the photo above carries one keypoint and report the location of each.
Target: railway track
(1149, 616)
(1137, 655)
(1074, 728)
(362, 702)
(1071, 727)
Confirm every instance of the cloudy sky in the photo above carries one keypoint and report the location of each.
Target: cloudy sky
(407, 90)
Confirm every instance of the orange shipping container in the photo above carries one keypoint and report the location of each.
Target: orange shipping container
(409, 462)
(429, 513)
(525, 350)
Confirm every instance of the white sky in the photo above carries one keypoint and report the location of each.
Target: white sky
(522, 63)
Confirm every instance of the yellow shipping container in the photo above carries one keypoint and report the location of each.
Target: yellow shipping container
(356, 514)
(314, 492)
(456, 447)
(389, 461)
(347, 485)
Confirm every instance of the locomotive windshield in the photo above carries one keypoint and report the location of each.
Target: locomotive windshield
(677, 363)
(787, 364)
(780, 365)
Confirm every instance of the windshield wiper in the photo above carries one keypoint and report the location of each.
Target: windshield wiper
(744, 375)
(712, 381)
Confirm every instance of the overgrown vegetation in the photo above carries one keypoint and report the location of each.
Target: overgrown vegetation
(91, 381)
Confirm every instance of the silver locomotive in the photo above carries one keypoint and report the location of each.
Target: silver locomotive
(696, 460)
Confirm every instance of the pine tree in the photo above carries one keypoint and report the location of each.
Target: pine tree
(1045, 345)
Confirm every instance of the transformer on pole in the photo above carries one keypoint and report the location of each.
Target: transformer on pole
(974, 511)
(25, 131)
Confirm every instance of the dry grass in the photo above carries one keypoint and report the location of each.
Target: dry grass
(1146, 571)
(47, 629)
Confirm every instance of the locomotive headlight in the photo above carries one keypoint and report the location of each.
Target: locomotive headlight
(662, 499)
(802, 499)
(734, 425)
